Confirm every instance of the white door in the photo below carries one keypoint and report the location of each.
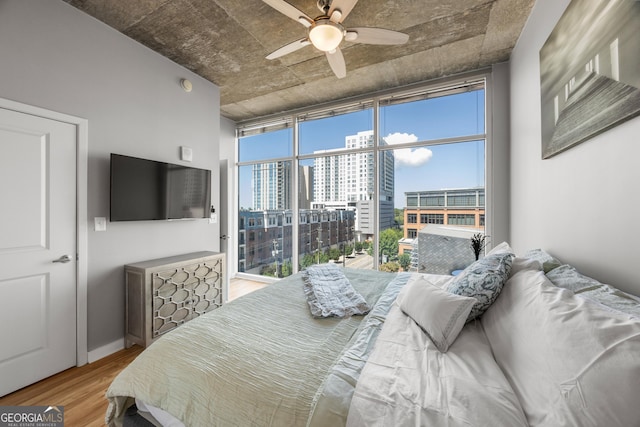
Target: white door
(37, 248)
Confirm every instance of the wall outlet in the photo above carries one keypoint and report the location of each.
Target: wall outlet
(100, 223)
(213, 218)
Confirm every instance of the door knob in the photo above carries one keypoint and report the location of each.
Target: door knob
(63, 259)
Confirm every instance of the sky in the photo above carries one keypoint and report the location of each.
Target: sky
(433, 167)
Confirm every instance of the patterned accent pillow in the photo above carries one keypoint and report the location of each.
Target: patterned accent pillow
(483, 280)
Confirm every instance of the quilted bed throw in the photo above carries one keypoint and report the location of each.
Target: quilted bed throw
(329, 292)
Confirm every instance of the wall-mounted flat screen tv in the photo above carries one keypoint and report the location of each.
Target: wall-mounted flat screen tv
(143, 190)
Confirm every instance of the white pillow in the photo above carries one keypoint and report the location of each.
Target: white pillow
(570, 361)
(439, 280)
(520, 264)
(440, 314)
(501, 248)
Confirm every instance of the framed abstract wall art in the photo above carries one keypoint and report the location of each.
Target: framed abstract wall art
(589, 72)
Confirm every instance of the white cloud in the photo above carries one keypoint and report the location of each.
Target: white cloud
(408, 156)
(400, 138)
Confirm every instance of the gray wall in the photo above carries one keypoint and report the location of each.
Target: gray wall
(229, 206)
(498, 184)
(56, 57)
(580, 205)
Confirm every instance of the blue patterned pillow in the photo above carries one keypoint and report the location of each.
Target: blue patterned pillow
(483, 280)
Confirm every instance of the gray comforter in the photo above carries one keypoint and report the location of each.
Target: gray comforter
(261, 360)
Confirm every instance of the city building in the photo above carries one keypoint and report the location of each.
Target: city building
(266, 237)
(305, 187)
(341, 182)
(457, 209)
(443, 249)
(271, 186)
(348, 180)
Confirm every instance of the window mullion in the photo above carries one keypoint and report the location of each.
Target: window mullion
(376, 184)
(295, 223)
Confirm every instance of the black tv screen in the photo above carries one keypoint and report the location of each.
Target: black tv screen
(144, 190)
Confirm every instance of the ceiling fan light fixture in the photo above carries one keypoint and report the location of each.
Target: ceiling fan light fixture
(326, 35)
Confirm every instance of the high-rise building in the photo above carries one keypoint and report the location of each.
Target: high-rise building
(327, 185)
(271, 184)
(305, 187)
(338, 180)
(350, 178)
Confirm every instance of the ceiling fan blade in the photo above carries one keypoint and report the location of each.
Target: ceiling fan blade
(375, 36)
(344, 6)
(336, 62)
(290, 11)
(288, 48)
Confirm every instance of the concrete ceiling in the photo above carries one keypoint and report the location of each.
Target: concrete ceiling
(226, 42)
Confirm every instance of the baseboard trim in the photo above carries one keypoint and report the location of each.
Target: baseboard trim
(105, 350)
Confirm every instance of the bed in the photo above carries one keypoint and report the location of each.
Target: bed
(421, 355)
(262, 357)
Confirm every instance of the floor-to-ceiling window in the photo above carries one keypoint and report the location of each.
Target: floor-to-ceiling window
(388, 182)
(265, 215)
(432, 178)
(336, 150)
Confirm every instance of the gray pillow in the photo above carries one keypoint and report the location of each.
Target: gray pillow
(439, 313)
(547, 261)
(614, 299)
(568, 277)
(611, 298)
(483, 280)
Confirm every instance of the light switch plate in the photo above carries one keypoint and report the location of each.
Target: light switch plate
(186, 154)
(100, 223)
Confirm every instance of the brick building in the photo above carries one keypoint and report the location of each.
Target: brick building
(459, 208)
(266, 237)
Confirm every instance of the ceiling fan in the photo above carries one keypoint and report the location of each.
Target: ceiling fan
(326, 32)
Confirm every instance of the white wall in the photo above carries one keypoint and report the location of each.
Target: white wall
(580, 205)
(56, 57)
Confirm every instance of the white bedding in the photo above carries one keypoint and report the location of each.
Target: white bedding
(571, 361)
(408, 382)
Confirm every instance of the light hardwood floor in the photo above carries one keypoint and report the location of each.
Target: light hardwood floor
(239, 287)
(81, 390)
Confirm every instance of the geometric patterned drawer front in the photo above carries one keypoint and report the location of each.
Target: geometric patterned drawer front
(182, 293)
(207, 291)
(164, 293)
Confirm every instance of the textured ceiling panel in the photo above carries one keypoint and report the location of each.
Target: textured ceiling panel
(226, 42)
